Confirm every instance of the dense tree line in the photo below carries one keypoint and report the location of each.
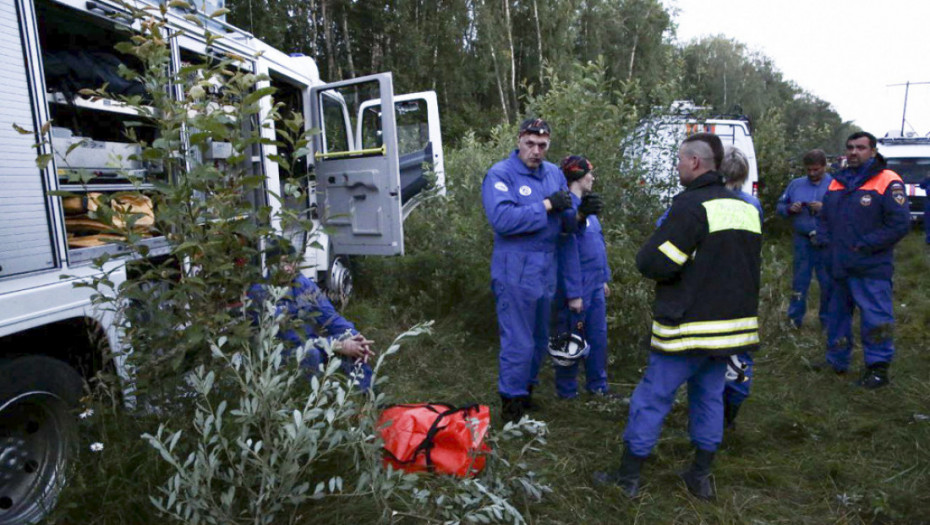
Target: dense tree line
(487, 58)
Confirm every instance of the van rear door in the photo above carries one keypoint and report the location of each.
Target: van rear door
(358, 188)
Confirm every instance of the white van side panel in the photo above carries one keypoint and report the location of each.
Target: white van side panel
(25, 237)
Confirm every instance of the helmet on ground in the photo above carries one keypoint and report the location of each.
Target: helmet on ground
(567, 348)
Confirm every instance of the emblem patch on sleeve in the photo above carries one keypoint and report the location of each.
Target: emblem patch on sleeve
(500, 186)
(897, 193)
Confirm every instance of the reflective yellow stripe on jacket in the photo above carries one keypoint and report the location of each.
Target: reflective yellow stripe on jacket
(706, 335)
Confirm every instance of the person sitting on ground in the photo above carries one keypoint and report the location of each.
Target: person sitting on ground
(315, 317)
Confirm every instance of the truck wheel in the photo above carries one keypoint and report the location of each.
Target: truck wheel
(339, 282)
(38, 435)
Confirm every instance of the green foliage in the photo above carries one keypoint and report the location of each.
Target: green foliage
(262, 459)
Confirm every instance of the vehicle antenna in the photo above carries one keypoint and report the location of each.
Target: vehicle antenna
(907, 86)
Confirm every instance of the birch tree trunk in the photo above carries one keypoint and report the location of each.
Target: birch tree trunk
(513, 55)
(345, 31)
(539, 45)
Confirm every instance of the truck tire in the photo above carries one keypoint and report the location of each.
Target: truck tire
(38, 435)
(338, 282)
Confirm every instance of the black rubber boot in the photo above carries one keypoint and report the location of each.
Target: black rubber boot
(730, 410)
(626, 477)
(528, 404)
(875, 376)
(513, 408)
(697, 478)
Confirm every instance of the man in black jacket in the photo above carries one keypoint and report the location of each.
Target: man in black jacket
(705, 259)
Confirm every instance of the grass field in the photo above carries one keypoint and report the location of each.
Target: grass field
(809, 447)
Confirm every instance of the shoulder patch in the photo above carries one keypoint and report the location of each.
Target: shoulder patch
(897, 193)
(500, 186)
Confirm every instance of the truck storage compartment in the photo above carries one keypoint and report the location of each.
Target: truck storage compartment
(95, 161)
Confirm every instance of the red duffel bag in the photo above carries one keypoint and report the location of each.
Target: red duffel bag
(435, 437)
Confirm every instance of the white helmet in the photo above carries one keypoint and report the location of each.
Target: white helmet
(566, 349)
(736, 370)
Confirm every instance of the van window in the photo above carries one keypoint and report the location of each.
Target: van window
(912, 170)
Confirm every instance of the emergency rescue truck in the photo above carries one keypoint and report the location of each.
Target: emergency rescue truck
(908, 155)
(652, 149)
(370, 168)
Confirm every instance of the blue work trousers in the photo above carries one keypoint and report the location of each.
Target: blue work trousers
(807, 261)
(653, 397)
(927, 217)
(523, 321)
(595, 324)
(735, 393)
(873, 297)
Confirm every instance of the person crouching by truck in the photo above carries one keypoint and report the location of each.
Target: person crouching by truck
(311, 317)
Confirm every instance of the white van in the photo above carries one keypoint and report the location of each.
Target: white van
(51, 336)
(909, 156)
(653, 147)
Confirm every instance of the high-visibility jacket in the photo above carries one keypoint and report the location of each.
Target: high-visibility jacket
(865, 213)
(705, 259)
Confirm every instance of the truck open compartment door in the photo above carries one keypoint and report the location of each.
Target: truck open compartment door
(419, 144)
(26, 239)
(358, 189)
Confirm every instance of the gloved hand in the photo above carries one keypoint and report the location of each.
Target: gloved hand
(591, 204)
(560, 200)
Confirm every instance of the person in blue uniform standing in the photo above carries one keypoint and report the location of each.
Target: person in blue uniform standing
(527, 204)
(801, 202)
(925, 185)
(865, 213)
(595, 276)
(705, 259)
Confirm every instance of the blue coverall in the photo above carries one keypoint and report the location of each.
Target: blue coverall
(865, 214)
(595, 273)
(808, 258)
(925, 184)
(306, 302)
(524, 264)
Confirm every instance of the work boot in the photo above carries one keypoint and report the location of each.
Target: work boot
(730, 410)
(513, 408)
(626, 477)
(875, 376)
(528, 404)
(697, 478)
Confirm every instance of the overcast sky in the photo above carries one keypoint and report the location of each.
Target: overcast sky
(843, 51)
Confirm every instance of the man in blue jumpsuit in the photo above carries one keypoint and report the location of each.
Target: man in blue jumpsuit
(865, 213)
(595, 274)
(529, 208)
(309, 317)
(705, 259)
(801, 202)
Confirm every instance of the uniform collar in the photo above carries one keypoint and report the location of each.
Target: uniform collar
(707, 179)
(523, 169)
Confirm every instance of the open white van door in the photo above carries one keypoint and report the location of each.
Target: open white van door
(358, 189)
(419, 143)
